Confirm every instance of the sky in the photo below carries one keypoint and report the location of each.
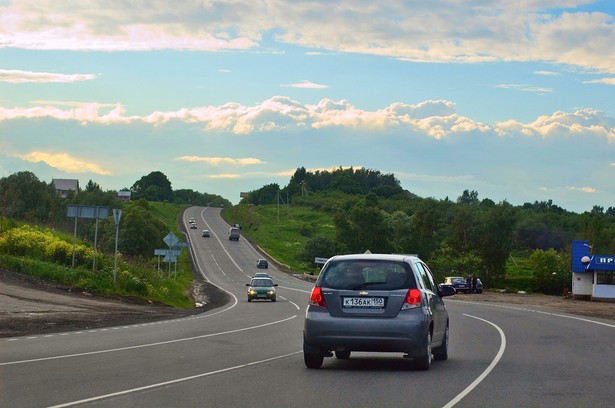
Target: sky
(514, 99)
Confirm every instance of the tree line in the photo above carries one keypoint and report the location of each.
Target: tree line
(23, 197)
(372, 212)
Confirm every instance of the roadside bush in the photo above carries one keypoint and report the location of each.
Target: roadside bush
(41, 244)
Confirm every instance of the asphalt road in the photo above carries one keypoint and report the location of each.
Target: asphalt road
(249, 354)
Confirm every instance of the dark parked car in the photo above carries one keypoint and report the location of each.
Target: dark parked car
(461, 284)
(376, 303)
(261, 288)
(262, 263)
(458, 282)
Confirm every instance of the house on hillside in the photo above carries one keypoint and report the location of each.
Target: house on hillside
(124, 195)
(64, 186)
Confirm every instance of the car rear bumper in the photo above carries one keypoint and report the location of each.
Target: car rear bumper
(404, 333)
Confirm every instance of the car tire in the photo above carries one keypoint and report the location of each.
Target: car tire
(424, 362)
(249, 299)
(313, 360)
(441, 353)
(342, 354)
(273, 299)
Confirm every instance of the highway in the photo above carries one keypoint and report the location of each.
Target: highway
(250, 354)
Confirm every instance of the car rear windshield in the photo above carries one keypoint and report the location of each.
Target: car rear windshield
(263, 283)
(367, 274)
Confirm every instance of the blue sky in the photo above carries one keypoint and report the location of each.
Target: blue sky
(513, 99)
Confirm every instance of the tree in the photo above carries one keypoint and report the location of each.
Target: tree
(468, 197)
(364, 228)
(24, 196)
(153, 187)
(496, 241)
(550, 272)
(318, 247)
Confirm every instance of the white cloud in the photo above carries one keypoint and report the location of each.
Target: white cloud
(606, 81)
(546, 73)
(434, 119)
(216, 161)
(64, 162)
(20, 77)
(305, 84)
(582, 189)
(437, 31)
(525, 88)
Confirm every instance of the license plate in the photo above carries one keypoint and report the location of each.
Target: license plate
(367, 302)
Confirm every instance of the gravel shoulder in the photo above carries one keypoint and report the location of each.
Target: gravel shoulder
(31, 306)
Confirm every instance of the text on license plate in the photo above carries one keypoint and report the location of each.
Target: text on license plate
(363, 302)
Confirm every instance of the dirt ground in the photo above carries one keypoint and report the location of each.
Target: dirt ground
(556, 304)
(30, 306)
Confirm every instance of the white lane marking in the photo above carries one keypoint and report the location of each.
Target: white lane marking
(177, 380)
(160, 343)
(485, 373)
(523, 309)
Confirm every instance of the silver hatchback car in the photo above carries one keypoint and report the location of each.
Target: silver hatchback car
(376, 303)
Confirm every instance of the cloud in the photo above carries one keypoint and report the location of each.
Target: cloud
(546, 73)
(563, 124)
(216, 161)
(224, 176)
(435, 119)
(434, 31)
(305, 84)
(64, 162)
(524, 88)
(582, 189)
(606, 81)
(20, 77)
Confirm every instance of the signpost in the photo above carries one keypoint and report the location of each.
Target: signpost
(117, 214)
(86, 211)
(170, 255)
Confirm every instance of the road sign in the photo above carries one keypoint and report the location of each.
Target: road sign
(166, 252)
(318, 260)
(171, 240)
(170, 258)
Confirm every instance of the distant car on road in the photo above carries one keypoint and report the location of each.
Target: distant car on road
(193, 226)
(376, 303)
(261, 288)
(205, 233)
(262, 263)
(233, 234)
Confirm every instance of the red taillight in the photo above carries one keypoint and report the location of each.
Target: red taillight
(316, 298)
(413, 299)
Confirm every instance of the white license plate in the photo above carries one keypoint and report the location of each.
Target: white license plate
(364, 302)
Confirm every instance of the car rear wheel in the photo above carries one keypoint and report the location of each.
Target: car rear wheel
(313, 360)
(424, 362)
(441, 352)
(342, 354)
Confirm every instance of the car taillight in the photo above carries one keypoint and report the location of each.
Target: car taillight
(316, 298)
(413, 299)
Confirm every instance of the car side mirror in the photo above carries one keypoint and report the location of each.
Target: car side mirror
(446, 290)
(275, 284)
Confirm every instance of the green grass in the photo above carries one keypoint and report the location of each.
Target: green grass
(280, 231)
(519, 276)
(136, 279)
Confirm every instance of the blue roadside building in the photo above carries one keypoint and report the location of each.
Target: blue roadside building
(593, 275)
